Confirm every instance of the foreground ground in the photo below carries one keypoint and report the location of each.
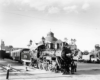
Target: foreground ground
(85, 70)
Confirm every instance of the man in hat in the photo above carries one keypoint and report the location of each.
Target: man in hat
(66, 57)
(65, 43)
(97, 47)
(73, 46)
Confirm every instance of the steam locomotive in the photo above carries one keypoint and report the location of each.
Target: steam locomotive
(50, 59)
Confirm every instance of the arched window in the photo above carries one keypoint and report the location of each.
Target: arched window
(52, 46)
(46, 45)
(55, 46)
(15, 54)
(58, 45)
(49, 45)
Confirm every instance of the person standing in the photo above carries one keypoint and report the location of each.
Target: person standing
(73, 46)
(66, 57)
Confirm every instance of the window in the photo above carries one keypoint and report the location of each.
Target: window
(92, 56)
(58, 45)
(25, 56)
(52, 46)
(55, 46)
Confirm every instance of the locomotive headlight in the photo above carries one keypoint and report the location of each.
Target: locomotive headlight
(68, 54)
(25, 56)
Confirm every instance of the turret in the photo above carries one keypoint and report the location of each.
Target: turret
(2, 45)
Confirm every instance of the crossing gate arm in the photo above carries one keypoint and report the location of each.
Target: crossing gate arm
(25, 61)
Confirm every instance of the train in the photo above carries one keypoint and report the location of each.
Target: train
(91, 57)
(4, 54)
(21, 55)
(25, 54)
(50, 59)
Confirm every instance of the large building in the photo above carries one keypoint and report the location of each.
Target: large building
(6, 48)
(50, 38)
(51, 41)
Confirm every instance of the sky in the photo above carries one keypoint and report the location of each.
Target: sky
(22, 20)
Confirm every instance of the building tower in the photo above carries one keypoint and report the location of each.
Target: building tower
(2, 45)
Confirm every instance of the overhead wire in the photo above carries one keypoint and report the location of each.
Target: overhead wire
(29, 16)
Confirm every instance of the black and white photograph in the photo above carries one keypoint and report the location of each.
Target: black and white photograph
(49, 39)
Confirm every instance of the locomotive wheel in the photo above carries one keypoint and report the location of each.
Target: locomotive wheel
(40, 66)
(75, 68)
(49, 66)
(45, 67)
(72, 70)
(56, 71)
(65, 71)
(53, 70)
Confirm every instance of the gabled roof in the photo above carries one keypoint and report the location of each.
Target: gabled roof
(58, 41)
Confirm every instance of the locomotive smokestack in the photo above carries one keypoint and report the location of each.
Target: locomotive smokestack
(43, 40)
(30, 43)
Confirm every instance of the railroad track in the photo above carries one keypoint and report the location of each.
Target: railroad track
(4, 67)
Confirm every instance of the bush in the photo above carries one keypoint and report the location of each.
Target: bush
(85, 52)
(3, 54)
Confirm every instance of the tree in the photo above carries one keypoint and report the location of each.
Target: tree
(86, 52)
(65, 39)
(10, 46)
(97, 47)
(30, 43)
(43, 40)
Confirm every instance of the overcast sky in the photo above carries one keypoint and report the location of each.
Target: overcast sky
(22, 20)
